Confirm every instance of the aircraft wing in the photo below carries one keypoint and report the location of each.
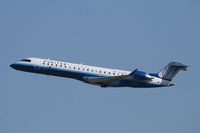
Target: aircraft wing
(107, 81)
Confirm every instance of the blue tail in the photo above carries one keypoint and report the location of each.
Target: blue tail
(170, 71)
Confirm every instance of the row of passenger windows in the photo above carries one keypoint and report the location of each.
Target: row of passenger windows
(64, 65)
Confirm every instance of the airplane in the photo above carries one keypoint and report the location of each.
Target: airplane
(99, 76)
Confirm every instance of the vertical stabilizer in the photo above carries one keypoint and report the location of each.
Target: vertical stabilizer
(170, 71)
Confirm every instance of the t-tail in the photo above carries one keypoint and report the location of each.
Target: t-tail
(170, 71)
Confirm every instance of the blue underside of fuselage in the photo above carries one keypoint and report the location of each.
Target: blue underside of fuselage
(79, 75)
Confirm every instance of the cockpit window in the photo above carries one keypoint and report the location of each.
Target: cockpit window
(26, 60)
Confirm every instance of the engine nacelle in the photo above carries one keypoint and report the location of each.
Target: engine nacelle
(142, 75)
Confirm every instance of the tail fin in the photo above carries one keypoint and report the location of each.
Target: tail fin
(170, 71)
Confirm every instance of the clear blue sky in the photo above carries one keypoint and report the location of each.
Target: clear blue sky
(125, 35)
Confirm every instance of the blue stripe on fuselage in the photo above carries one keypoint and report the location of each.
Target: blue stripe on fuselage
(55, 71)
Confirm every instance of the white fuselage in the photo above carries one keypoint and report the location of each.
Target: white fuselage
(80, 71)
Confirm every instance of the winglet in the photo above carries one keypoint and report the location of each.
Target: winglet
(133, 72)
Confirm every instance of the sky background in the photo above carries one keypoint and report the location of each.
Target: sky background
(117, 34)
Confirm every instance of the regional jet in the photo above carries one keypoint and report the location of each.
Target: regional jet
(103, 77)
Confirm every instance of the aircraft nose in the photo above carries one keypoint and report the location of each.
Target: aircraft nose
(12, 65)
